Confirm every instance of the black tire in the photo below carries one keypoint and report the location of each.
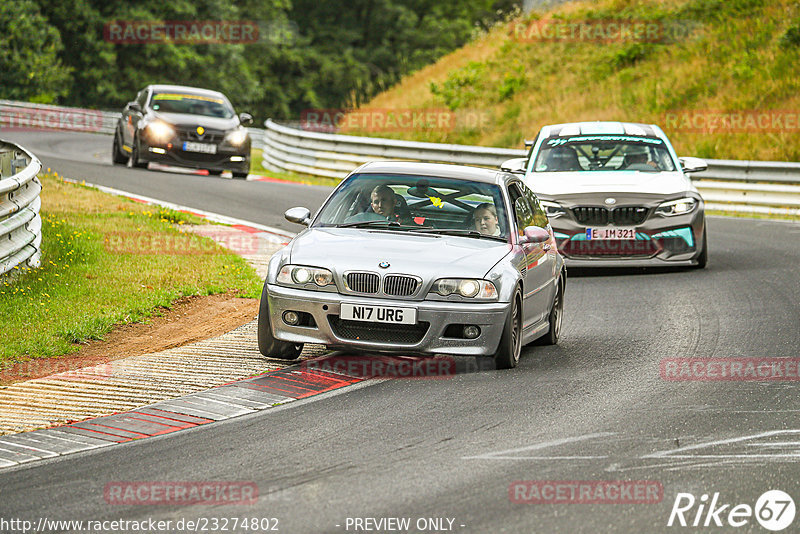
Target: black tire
(267, 344)
(134, 159)
(507, 355)
(118, 157)
(702, 259)
(555, 318)
(237, 174)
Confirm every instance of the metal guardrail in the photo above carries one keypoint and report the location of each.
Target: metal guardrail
(20, 223)
(27, 116)
(743, 186)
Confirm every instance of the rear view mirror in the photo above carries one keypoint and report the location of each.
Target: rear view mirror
(516, 165)
(134, 106)
(534, 235)
(298, 215)
(693, 164)
(246, 119)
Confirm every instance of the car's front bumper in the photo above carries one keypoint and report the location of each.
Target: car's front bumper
(328, 329)
(674, 240)
(222, 160)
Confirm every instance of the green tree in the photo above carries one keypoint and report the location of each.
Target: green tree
(29, 49)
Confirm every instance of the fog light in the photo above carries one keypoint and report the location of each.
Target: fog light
(471, 331)
(291, 318)
(157, 150)
(237, 158)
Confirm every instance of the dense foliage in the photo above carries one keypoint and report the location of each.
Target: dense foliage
(309, 54)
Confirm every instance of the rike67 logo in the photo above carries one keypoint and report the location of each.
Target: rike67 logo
(774, 510)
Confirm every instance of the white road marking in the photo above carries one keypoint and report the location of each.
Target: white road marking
(677, 453)
(504, 455)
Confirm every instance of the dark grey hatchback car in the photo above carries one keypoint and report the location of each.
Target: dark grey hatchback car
(183, 126)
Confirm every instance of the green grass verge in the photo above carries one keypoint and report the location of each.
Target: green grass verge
(766, 216)
(107, 261)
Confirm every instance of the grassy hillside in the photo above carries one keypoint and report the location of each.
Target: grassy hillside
(721, 59)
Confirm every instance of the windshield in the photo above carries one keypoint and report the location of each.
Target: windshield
(417, 203)
(206, 106)
(603, 153)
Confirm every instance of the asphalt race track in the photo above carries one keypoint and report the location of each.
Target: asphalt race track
(594, 408)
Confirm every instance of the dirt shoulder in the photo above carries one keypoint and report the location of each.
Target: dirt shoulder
(190, 319)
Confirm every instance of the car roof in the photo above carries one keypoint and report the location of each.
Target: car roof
(443, 170)
(602, 128)
(186, 89)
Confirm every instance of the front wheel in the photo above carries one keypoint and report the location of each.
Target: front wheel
(507, 355)
(268, 345)
(702, 259)
(134, 160)
(117, 156)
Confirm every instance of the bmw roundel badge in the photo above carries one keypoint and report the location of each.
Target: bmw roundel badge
(384, 265)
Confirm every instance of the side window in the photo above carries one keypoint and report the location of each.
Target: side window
(539, 216)
(523, 213)
(141, 98)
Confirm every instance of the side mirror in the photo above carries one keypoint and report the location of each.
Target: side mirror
(693, 164)
(134, 106)
(534, 235)
(246, 119)
(298, 215)
(516, 165)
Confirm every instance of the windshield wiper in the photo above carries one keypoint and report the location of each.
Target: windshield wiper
(368, 223)
(455, 231)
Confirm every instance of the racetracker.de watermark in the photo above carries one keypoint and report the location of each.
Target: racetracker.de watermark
(392, 120)
(744, 121)
(383, 366)
(729, 369)
(602, 31)
(57, 369)
(194, 32)
(179, 244)
(41, 117)
(180, 493)
(586, 492)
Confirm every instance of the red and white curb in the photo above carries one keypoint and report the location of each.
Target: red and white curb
(224, 402)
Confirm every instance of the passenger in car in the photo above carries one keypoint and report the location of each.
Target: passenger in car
(485, 219)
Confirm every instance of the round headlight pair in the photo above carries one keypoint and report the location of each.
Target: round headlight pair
(296, 274)
(466, 287)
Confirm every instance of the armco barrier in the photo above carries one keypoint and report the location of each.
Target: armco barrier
(20, 224)
(743, 186)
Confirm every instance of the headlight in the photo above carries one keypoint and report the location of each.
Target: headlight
(236, 137)
(466, 287)
(160, 132)
(552, 209)
(677, 207)
(301, 275)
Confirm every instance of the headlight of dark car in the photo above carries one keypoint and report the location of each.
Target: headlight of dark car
(681, 206)
(160, 132)
(466, 287)
(552, 209)
(236, 137)
(306, 277)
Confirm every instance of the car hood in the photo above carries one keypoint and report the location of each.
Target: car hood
(570, 183)
(427, 256)
(193, 121)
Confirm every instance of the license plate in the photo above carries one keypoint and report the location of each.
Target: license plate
(206, 148)
(378, 314)
(611, 233)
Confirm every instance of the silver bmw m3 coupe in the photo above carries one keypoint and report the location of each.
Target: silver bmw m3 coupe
(616, 193)
(417, 258)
